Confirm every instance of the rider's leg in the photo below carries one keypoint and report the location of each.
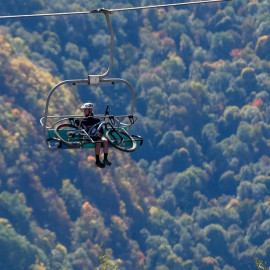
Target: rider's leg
(97, 152)
(105, 145)
(97, 149)
(106, 151)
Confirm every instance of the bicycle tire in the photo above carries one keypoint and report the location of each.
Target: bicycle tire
(71, 143)
(115, 140)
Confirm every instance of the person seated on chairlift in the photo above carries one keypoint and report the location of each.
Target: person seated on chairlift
(87, 123)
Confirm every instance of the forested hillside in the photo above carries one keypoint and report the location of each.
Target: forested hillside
(195, 195)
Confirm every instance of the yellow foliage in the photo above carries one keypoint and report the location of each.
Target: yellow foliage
(35, 82)
(262, 47)
(4, 132)
(247, 72)
(214, 65)
(123, 209)
(174, 57)
(209, 261)
(197, 88)
(153, 210)
(183, 151)
(187, 264)
(187, 219)
(32, 75)
(65, 183)
(267, 201)
(12, 142)
(5, 48)
(245, 107)
(119, 261)
(105, 180)
(5, 222)
(61, 248)
(93, 223)
(232, 204)
(39, 266)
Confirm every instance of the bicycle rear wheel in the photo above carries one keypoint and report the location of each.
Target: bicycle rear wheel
(121, 140)
(69, 135)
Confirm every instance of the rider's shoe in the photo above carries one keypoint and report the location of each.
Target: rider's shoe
(107, 162)
(100, 164)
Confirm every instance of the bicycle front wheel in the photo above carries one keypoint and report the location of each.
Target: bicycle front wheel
(68, 134)
(121, 140)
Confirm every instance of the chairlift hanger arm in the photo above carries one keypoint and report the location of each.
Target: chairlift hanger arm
(111, 11)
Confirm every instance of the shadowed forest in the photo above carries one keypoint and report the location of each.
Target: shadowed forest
(195, 195)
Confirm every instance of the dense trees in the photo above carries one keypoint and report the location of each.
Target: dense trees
(195, 195)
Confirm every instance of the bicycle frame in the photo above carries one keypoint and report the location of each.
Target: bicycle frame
(105, 124)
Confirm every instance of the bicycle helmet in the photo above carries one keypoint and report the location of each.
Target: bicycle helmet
(87, 105)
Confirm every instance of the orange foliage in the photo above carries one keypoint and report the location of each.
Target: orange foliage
(214, 65)
(26, 117)
(168, 43)
(236, 52)
(120, 222)
(155, 34)
(209, 262)
(15, 113)
(263, 38)
(257, 102)
(91, 158)
(161, 13)
(140, 209)
(117, 219)
(23, 158)
(141, 259)
(87, 209)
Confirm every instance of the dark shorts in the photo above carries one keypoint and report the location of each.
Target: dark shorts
(96, 138)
